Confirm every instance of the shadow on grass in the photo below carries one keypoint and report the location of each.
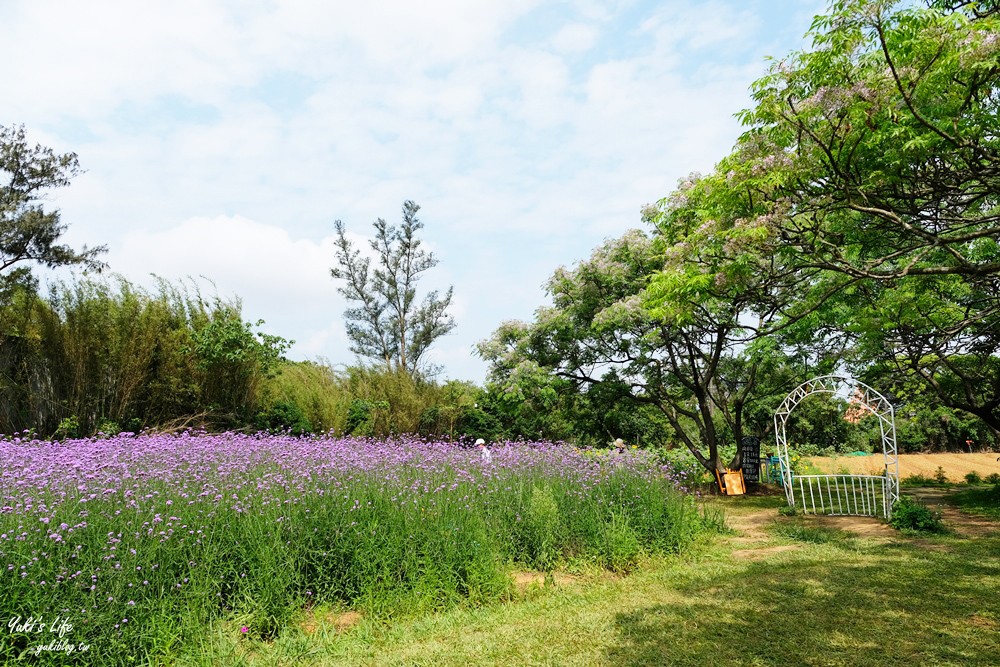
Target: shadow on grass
(982, 500)
(840, 604)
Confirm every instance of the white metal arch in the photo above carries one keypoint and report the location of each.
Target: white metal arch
(865, 397)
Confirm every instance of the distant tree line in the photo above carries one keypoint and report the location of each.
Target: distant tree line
(97, 354)
(855, 227)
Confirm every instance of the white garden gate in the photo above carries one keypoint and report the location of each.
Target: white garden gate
(866, 495)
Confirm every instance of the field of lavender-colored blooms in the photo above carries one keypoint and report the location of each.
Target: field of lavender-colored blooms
(125, 550)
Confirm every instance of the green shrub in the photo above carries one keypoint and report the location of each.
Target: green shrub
(917, 480)
(108, 427)
(362, 416)
(284, 416)
(993, 478)
(939, 476)
(69, 427)
(477, 423)
(973, 478)
(910, 514)
(621, 547)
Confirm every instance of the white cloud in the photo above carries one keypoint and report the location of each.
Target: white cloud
(280, 279)
(575, 38)
(222, 138)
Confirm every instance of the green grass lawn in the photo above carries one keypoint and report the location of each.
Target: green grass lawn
(831, 599)
(981, 500)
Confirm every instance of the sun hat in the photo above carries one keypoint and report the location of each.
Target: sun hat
(480, 441)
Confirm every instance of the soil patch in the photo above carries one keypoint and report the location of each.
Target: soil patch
(763, 552)
(525, 579)
(339, 621)
(983, 622)
(862, 526)
(751, 526)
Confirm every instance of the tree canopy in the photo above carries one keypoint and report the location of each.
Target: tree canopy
(873, 161)
(28, 232)
(878, 156)
(854, 225)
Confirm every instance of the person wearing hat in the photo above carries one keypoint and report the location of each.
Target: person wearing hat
(617, 455)
(484, 451)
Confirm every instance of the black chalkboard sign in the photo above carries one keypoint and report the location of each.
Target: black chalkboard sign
(750, 456)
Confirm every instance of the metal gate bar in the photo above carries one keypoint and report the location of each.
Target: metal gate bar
(833, 494)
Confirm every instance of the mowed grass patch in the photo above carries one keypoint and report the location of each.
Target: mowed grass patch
(833, 600)
(981, 500)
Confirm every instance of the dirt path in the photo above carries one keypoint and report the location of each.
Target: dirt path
(862, 526)
(966, 525)
(753, 535)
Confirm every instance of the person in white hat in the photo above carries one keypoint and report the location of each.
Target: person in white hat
(617, 454)
(484, 451)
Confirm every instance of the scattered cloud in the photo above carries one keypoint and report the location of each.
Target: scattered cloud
(223, 138)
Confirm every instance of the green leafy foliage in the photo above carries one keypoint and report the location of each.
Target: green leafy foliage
(284, 417)
(619, 354)
(910, 514)
(362, 414)
(28, 233)
(69, 427)
(875, 156)
(233, 359)
(104, 355)
(385, 322)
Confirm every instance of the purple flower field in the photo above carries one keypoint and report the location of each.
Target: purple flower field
(121, 534)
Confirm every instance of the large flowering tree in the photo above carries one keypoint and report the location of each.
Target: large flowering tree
(857, 215)
(692, 356)
(876, 157)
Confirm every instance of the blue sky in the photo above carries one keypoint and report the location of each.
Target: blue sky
(221, 139)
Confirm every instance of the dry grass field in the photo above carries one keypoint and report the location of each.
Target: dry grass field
(955, 466)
